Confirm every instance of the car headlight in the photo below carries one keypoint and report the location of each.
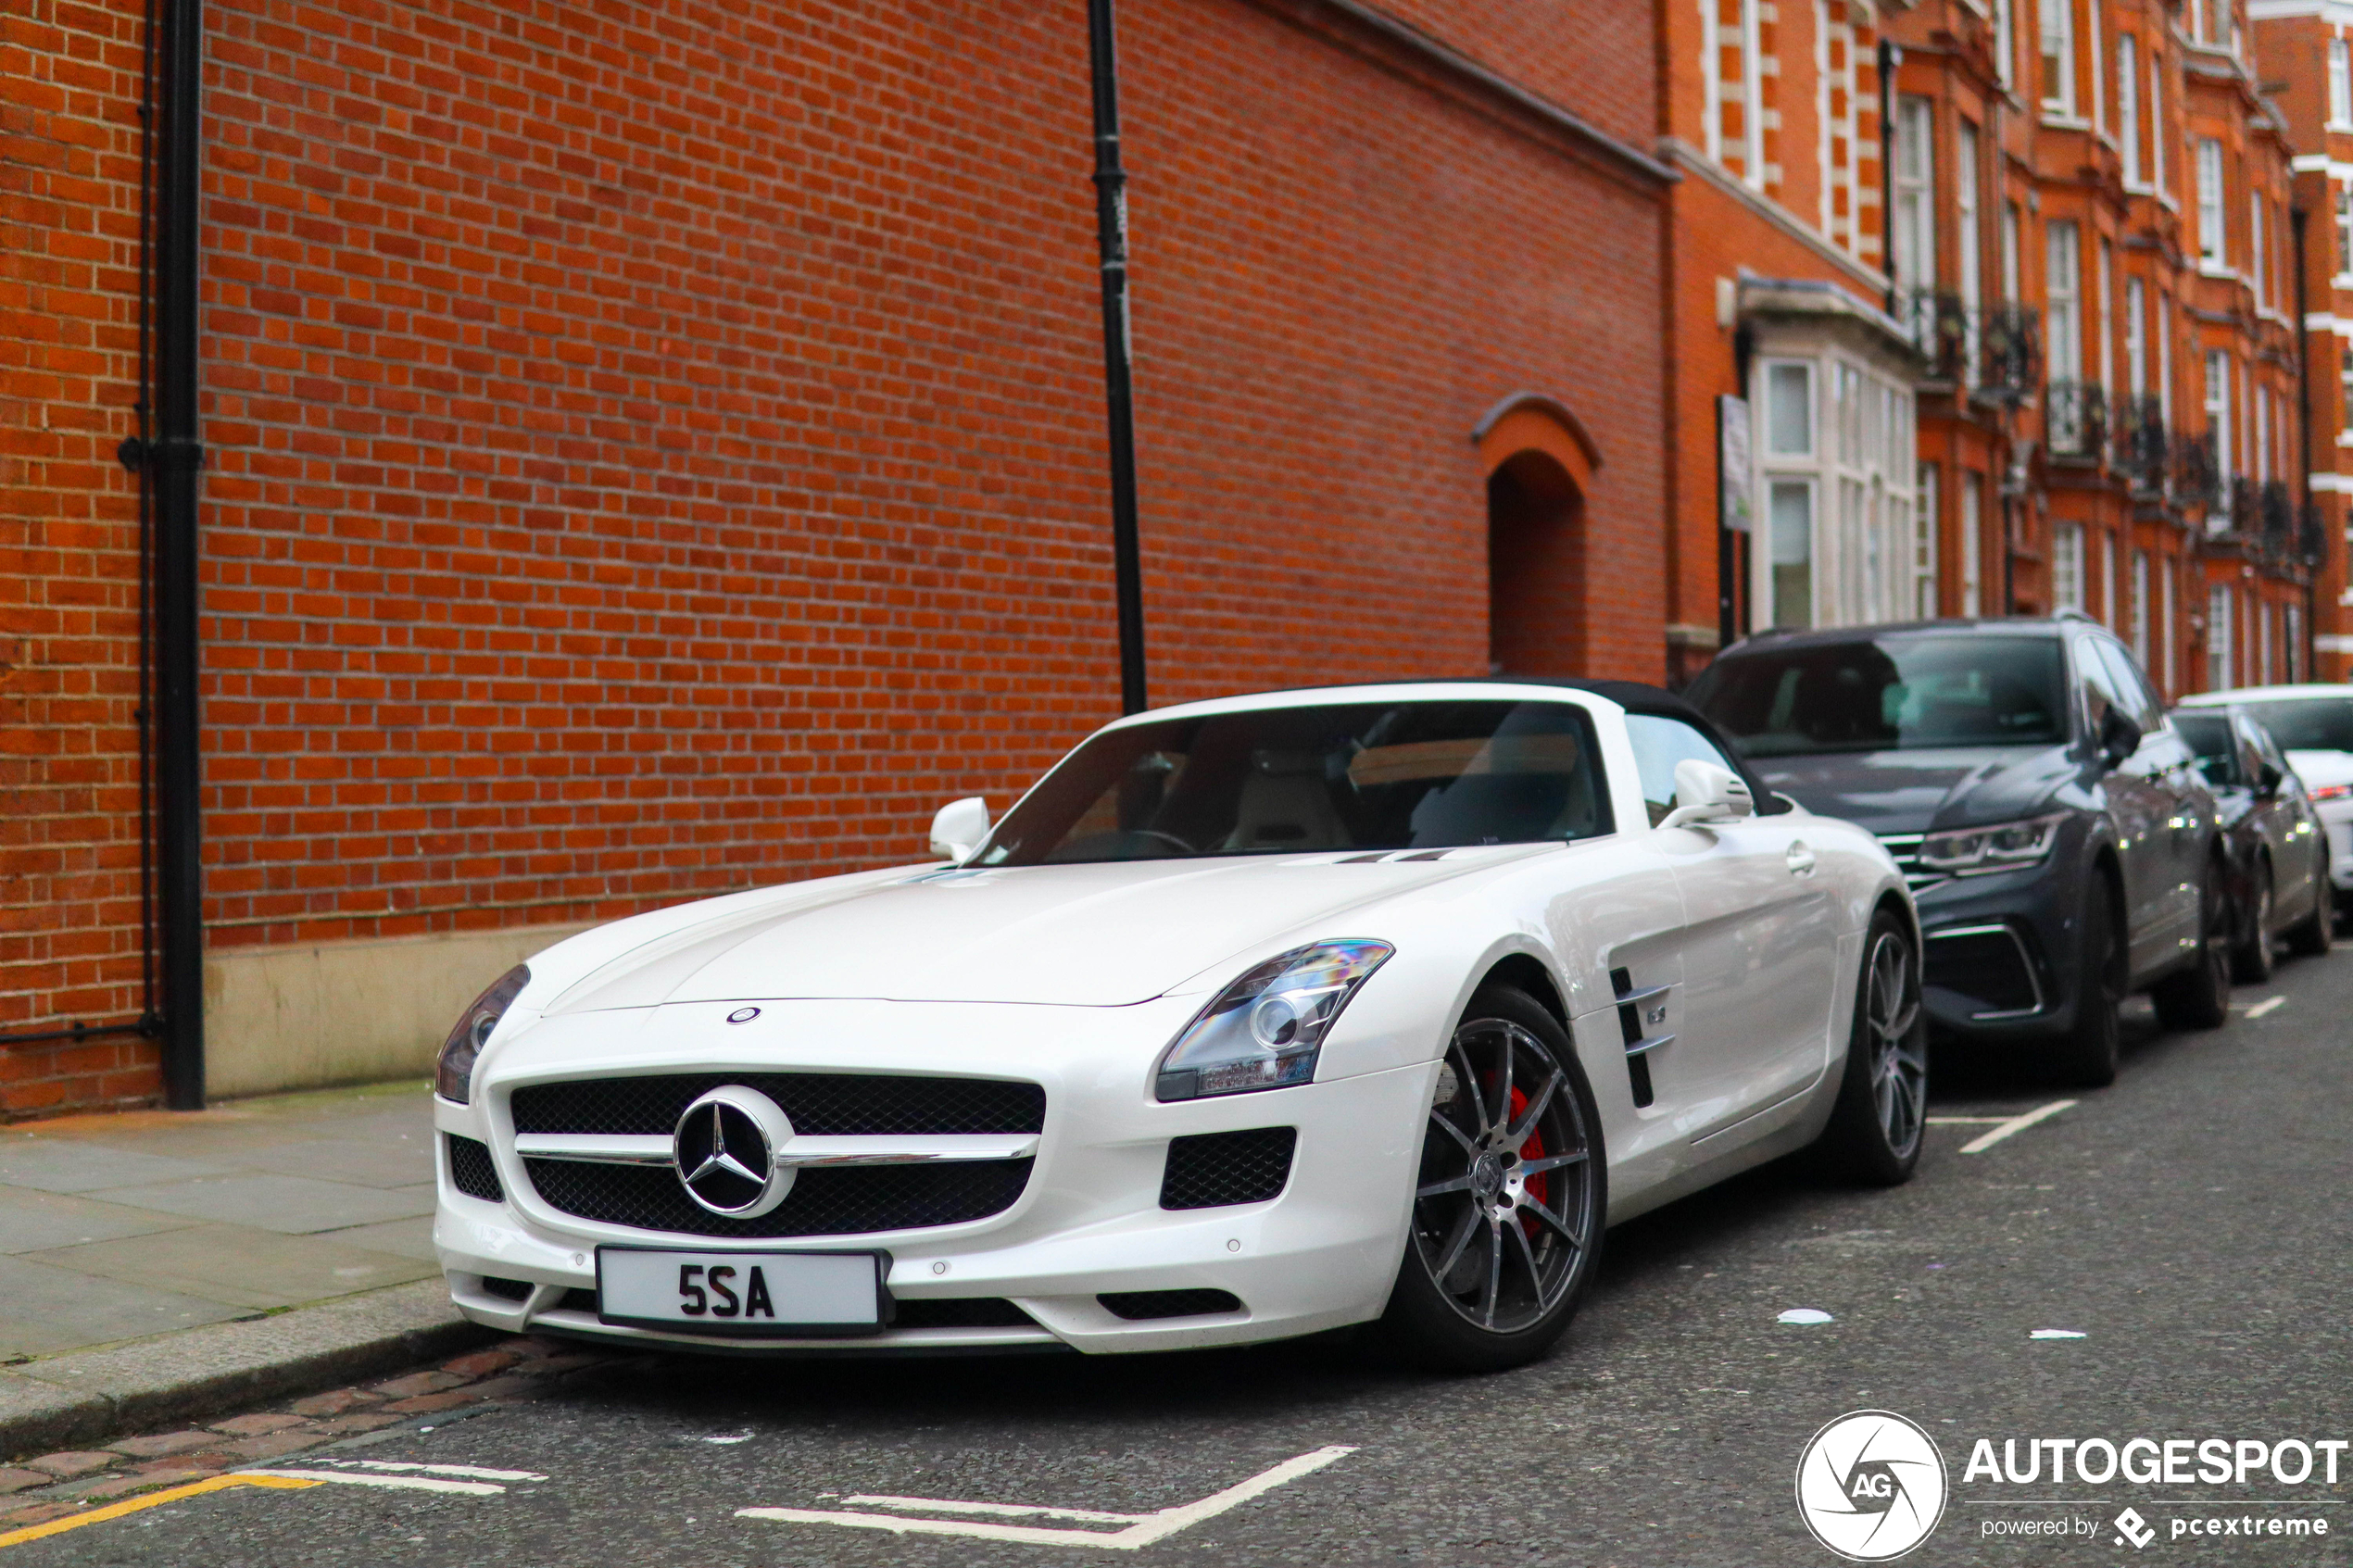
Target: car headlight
(453, 1075)
(2003, 847)
(1263, 1031)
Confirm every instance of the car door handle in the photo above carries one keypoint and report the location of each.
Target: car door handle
(1800, 859)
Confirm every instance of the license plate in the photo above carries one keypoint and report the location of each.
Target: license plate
(743, 1293)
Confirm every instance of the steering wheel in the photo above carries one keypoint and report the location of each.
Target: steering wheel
(1182, 848)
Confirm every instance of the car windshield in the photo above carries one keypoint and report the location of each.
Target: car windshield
(2309, 724)
(2210, 739)
(1896, 692)
(1371, 776)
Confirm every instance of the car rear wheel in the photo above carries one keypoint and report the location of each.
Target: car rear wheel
(1509, 1196)
(1874, 1132)
(2199, 997)
(2251, 958)
(2313, 936)
(2087, 1055)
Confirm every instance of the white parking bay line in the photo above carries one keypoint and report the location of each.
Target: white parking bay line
(2002, 1127)
(1143, 1529)
(405, 1483)
(468, 1471)
(2269, 1004)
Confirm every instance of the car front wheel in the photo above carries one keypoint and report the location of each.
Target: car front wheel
(1874, 1132)
(1509, 1197)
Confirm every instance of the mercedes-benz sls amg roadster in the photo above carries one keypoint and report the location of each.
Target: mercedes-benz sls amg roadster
(1253, 1019)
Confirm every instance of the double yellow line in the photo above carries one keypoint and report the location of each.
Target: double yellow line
(153, 1499)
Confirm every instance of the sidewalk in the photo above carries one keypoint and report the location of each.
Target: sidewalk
(119, 1228)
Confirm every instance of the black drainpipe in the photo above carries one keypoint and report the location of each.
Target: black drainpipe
(174, 459)
(1111, 229)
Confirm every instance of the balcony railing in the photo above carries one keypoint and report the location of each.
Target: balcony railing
(2277, 508)
(1994, 351)
(2198, 479)
(2075, 419)
(2140, 441)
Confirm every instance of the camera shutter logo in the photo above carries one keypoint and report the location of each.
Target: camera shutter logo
(1870, 1485)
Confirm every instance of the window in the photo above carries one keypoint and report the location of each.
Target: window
(1915, 194)
(2127, 105)
(2058, 54)
(2345, 379)
(2293, 638)
(2345, 233)
(2004, 42)
(2340, 84)
(2063, 333)
(1973, 522)
(2098, 59)
(2157, 121)
(1927, 601)
(1966, 242)
(2141, 607)
(2218, 421)
(2165, 357)
(1735, 126)
(1837, 471)
(2136, 342)
(2067, 566)
(2211, 246)
(2111, 611)
(1658, 744)
(2262, 464)
(2107, 314)
(1911, 689)
(2165, 628)
(2255, 248)
(2010, 252)
(2219, 674)
(2131, 687)
(2263, 613)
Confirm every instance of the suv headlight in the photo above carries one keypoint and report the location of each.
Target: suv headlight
(2001, 847)
(453, 1075)
(1263, 1031)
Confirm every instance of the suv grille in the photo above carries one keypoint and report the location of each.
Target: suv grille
(1903, 848)
(838, 1201)
(820, 1104)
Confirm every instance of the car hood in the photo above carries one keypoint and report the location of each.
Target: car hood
(1895, 792)
(1084, 935)
(2318, 767)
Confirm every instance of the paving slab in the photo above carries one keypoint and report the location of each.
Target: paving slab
(56, 1164)
(402, 1238)
(292, 1205)
(51, 1308)
(240, 1265)
(32, 1220)
(383, 1160)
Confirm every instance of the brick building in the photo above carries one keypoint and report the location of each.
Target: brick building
(654, 449)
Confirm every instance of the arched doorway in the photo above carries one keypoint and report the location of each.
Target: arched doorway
(1541, 466)
(1535, 567)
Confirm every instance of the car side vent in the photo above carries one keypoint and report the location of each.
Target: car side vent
(470, 1170)
(1632, 1002)
(1213, 1170)
(1138, 1306)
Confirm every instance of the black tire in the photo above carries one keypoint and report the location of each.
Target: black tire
(2087, 1057)
(2251, 954)
(2312, 936)
(1534, 1220)
(1874, 1132)
(2199, 997)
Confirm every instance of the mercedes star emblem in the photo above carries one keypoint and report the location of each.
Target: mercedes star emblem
(725, 1149)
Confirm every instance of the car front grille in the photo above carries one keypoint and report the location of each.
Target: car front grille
(1213, 1170)
(823, 1201)
(818, 1104)
(1903, 848)
(471, 1171)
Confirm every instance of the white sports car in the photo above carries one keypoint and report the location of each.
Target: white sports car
(1254, 1018)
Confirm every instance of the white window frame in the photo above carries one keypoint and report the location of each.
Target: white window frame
(2254, 226)
(2128, 105)
(2136, 337)
(2156, 121)
(2340, 84)
(2067, 566)
(1927, 557)
(2005, 41)
(2220, 672)
(1915, 226)
(2218, 420)
(2213, 239)
(2111, 613)
(2344, 232)
(2054, 60)
(1972, 525)
(2141, 607)
(1967, 243)
(1862, 475)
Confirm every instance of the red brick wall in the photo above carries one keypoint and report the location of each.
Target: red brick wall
(68, 547)
(656, 448)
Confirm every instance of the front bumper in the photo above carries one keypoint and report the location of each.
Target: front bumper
(2337, 820)
(1321, 1254)
(2003, 952)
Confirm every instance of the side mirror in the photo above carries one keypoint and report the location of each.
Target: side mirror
(2120, 737)
(958, 827)
(2268, 778)
(1704, 792)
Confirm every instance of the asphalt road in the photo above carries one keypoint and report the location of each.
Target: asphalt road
(2188, 1223)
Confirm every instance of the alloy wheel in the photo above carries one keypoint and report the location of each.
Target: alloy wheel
(1504, 1213)
(1899, 1059)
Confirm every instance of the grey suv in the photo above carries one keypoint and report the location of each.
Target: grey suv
(2059, 840)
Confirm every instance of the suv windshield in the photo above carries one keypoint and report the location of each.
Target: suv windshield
(1375, 776)
(2307, 724)
(1896, 692)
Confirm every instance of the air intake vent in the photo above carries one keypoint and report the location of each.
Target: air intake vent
(1140, 1305)
(1216, 1169)
(1988, 965)
(837, 1201)
(471, 1171)
(505, 1289)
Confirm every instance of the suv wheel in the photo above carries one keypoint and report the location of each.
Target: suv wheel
(2251, 956)
(2199, 997)
(2087, 1056)
(2313, 936)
